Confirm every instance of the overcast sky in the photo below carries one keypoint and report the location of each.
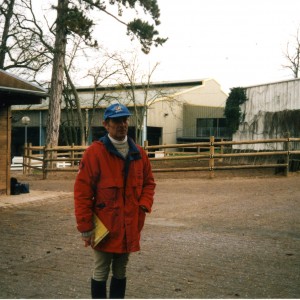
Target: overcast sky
(236, 42)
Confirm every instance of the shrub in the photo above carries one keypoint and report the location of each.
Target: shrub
(237, 96)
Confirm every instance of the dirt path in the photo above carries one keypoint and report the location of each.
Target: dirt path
(230, 237)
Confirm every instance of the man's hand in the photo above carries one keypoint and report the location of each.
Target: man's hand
(143, 208)
(88, 240)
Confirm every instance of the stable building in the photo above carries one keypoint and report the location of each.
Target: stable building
(13, 91)
(176, 112)
(272, 111)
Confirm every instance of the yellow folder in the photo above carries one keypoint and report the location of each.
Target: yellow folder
(100, 230)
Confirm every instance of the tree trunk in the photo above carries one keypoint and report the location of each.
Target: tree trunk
(56, 88)
(78, 107)
(8, 16)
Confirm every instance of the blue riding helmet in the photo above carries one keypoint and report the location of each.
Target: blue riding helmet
(116, 110)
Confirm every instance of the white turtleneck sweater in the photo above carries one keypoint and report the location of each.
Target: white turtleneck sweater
(121, 146)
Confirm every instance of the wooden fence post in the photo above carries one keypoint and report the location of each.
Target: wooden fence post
(72, 155)
(221, 150)
(47, 160)
(44, 163)
(287, 148)
(29, 153)
(211, 157)
(25, 158)
(51, 157)
(145, 146)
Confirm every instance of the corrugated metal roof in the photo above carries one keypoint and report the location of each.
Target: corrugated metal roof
(8, 80)
(271, 83)
(10, 90)
(15, 90)
(152, 85)
(115, 93)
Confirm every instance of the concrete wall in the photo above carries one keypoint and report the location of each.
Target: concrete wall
(208, 94)
(168, 112)
(264, 101)
(166, 103)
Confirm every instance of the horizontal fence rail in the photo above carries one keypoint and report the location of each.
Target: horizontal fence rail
(211, 156)
(67, 158)
(52, 159)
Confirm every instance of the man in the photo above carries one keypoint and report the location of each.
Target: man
(115, 182)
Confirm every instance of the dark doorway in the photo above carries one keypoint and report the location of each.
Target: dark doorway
(18, 139)
(154, 135)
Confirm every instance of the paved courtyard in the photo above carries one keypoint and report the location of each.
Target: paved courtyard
(221, 238)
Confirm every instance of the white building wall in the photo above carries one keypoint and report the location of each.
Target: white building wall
(168, 116)
(168, 112)
(273, 97)
(208, 94)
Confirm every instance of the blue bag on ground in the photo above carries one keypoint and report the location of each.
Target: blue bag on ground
(17, 188)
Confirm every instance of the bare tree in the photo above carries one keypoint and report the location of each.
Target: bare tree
(103, 72)
(293, 56)
(140, 92)
(70, 92)
(57, 77)
(25, 48)
(100, 75)
(6, 9)
(31, 49)
(77, 106)
(72, 19)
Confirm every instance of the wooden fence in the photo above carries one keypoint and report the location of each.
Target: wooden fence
(52, 159)
(212, 155)
(67, 158)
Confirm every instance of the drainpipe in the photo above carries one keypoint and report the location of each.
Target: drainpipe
(40, 130)
(144, 137)
(87, 140)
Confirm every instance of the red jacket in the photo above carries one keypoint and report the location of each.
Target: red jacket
(100, 187)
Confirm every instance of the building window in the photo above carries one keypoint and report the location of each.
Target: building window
(212, 127)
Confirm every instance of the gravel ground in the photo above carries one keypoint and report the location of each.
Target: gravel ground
(234, 236)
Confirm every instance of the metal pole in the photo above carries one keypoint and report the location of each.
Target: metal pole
(40, 133)
(25, 134)
(144, 135)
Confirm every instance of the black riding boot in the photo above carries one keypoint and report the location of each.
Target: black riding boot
(98, 289)
(117, 288)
